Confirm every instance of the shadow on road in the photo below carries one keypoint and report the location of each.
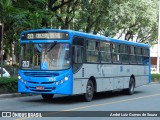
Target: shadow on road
(79, 98)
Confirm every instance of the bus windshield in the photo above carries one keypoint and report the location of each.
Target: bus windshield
(45, 56)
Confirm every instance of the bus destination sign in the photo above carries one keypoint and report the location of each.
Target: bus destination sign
(45, 35)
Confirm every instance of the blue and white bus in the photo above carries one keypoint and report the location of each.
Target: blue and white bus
(68, 62)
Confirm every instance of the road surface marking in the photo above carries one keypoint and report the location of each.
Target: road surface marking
(83, 107)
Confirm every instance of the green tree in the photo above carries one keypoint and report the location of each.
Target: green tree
(6, 17)
(12, 19)
(91, 15)
(135, 19)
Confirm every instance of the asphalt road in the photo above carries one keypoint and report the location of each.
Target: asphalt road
(146, 98)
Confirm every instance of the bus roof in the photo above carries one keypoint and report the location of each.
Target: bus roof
(91, 36)
(103, 38)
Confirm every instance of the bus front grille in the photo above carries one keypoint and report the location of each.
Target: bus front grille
(41, 74)
(33, 82)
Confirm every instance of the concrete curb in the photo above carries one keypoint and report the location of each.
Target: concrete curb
(12, 95)
(155, 82)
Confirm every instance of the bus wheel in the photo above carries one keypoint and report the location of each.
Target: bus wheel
(47, 96)
(130, 90)
(89, 91)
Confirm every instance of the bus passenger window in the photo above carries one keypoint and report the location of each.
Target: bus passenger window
(133, 59)
(145, 56)
(92, 51)
(115, 53)
(139, 56)
(105, 53)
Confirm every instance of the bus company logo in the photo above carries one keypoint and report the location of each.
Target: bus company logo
(121, 68)
(6, 114)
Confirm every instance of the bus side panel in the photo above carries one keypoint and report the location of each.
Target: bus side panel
(77, 87)
(109, 77)
(141, 73)
(108, 84)
(124, 73)
(103, 74)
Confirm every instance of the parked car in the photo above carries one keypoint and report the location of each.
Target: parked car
(5, 73)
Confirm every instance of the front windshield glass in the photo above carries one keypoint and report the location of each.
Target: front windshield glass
(52, 56)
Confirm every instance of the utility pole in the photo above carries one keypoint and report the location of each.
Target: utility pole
(1, 41)
(158, 54)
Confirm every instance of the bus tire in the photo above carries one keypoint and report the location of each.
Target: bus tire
(130, 90)
(89, 91)
(47, 96)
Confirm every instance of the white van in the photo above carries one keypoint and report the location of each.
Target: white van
(5, 73)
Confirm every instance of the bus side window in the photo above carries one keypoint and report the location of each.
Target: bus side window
(145, 56)
(105, 52)
(115, 53)
(133, 59)
(92, 51)
(139, 56)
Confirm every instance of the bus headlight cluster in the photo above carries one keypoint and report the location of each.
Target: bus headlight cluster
(61, 81)
(66, 78)
(20, 78)
(56, 83)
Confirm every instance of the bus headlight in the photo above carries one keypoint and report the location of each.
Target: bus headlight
(61, 81)
(19, 77)
(66, 78)
(23, 81)
(56, 83)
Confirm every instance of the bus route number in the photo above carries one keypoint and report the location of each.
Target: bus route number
(30, 36)
(25, 64)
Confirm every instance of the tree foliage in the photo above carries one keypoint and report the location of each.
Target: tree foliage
(137, 19)
(126, 19)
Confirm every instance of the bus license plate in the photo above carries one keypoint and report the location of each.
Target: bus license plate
(39, 88)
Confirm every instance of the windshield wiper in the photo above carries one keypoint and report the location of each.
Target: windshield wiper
(52, 46)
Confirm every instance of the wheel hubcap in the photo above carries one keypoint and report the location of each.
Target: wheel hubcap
(89, 91)
(132, 88)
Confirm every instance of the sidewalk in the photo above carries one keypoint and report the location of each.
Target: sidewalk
(155, 82)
